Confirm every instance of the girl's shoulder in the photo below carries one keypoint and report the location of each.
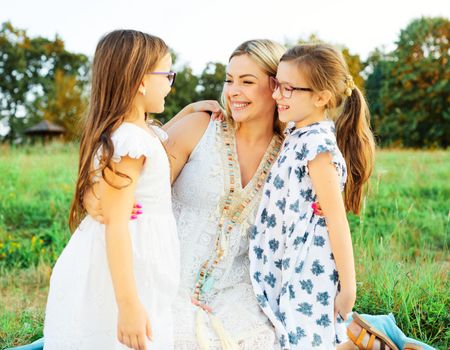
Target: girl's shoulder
(313, 131)
(314, 139)
(134, 141)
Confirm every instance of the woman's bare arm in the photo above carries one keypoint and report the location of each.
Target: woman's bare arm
(183, 137)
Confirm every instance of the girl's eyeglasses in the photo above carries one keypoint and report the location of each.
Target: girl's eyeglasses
(285, 89)
(170, 76)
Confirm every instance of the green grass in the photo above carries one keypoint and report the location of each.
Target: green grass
(400, 240)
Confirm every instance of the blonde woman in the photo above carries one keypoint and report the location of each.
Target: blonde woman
(219, 170)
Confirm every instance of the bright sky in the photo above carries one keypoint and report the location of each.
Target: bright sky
(208, 30)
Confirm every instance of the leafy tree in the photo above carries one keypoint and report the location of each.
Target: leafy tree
(413, 82)
(211, 81)
(28, 67)
(66, 105)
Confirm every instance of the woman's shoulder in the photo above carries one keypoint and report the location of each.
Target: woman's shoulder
(188, 131)
(196, 120)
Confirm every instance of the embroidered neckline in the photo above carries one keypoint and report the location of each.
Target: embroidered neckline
(237, 194)
(236, 203)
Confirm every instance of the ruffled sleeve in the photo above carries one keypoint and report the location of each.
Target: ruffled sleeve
(317, 139)
(128, 140)
(132, 141)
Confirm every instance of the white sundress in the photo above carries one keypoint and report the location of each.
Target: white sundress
(199, 194)
(81, 309)
(292, 267)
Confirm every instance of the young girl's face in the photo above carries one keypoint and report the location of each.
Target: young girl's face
(247, 90)
(157, 86)
(300, 106)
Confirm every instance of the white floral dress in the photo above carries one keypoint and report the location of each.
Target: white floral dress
(198, 199)
(291, 263)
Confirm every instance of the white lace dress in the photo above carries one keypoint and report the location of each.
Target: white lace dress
(81, 308)
(198, 196)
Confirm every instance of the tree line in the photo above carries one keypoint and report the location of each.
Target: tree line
(408, 88)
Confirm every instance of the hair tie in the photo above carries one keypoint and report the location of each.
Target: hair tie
(349, 85)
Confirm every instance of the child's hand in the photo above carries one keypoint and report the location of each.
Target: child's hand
(317, 208)
(208, 106)
(343, 304)
(133, 326)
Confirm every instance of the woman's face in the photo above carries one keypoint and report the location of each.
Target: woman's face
(247, 91)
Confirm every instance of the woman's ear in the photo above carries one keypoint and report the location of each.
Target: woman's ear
(323, 97)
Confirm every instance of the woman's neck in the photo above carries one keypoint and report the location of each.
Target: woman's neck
(254, 132)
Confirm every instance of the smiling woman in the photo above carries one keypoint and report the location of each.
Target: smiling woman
(215, 307)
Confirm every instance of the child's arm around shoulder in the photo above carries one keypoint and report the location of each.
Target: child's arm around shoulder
(325, 181)
(192, 108)
(117, 198)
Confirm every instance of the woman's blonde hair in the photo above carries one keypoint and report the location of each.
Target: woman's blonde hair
(121, 60)
(266, 54)
(325, 69)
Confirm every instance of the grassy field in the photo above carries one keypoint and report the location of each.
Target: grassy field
(401, 239)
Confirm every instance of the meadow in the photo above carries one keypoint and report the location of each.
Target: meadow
(400, 239)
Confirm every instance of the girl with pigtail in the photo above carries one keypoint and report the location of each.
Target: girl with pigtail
(302, 264)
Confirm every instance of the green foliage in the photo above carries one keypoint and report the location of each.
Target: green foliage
(211, 81)
(67, 105)
(401, 243)
(34, 211)
(29, 67)
(23, 293)
(409, 88)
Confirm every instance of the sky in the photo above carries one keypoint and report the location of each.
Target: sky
(200, 31)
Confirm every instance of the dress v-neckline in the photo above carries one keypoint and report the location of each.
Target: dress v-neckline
(261, 164)
(238, 201)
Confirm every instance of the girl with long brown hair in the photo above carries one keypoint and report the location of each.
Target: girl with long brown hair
(302, 264)
(114, 284)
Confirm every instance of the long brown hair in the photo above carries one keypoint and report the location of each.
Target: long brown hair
(266, 54)
(121, 60)
(326, 69)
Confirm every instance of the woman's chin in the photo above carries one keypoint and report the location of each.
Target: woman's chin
(239, 117)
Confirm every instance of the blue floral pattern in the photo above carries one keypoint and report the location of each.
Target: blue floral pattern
(293, 271)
